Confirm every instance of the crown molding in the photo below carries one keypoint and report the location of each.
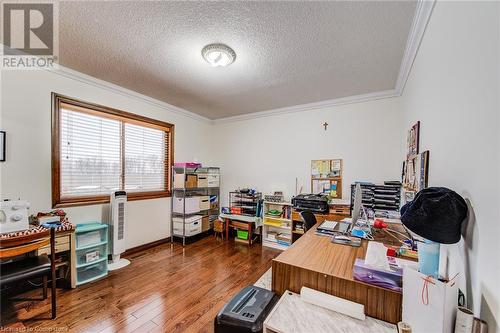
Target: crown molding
(87, 79)
(421, 19)
(422, 16)
(311, 106)
(93, 81)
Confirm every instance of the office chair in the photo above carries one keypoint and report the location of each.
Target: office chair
(308, 218)
(33, 266)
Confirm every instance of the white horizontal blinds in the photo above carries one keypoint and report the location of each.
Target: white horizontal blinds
(145, 162)
(90, 154)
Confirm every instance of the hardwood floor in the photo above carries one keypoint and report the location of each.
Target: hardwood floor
(165, 289)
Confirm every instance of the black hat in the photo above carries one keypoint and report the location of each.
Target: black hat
(436, 214)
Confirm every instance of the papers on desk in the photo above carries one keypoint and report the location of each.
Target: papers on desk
(293, 315)
(334, 303)
(340, 202)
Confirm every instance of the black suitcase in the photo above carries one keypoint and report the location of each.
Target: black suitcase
(246, 311)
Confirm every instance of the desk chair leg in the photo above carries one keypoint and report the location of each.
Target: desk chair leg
(250, 234)
(44, 279)
(53, 270)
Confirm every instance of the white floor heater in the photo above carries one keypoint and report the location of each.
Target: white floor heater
(117, 244)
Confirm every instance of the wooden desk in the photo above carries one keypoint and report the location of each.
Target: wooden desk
(315, 262)
(336, 213)
(65, 243)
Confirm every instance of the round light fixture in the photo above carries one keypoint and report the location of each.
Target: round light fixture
(218, 55)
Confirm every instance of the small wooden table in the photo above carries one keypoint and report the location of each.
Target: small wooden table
(249, 223)
(314, 261)
(292, 315)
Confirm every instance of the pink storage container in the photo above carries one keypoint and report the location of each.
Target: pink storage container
(187, 165)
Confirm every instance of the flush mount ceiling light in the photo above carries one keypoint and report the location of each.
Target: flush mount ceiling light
(218, 55)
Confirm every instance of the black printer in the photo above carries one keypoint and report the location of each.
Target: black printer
(314, 202)
(246, 311)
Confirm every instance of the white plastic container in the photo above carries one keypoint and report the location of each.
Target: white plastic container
(88, 238)
(192, 205)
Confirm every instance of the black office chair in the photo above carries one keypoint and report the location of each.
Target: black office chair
(308, 218)
(33, 266)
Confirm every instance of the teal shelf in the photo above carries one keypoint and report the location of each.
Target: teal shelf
(91, 271)
(92, 262)
(91, 245)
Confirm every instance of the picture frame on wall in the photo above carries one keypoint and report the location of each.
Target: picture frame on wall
(2, 145)
(413, 140)
(424, 170)
(416, 172)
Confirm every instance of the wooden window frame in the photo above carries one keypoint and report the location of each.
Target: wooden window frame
(106, 112)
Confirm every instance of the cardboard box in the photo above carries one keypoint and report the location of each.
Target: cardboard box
(182, 180)
(205, 223)
(204, 202)
(202, 180)
(190, 226)
(213, 180)
(192, 205)
(191, 181)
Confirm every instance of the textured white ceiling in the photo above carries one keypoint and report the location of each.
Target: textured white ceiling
(288, 53)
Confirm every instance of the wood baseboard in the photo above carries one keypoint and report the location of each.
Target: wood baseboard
(146, 246)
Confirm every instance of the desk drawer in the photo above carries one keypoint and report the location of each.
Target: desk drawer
(322, 217)
(339, 211)
(59, 248)
(62, 240)
(239, 225)
(319, 217)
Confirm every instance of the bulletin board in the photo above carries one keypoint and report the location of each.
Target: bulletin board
(326, 177)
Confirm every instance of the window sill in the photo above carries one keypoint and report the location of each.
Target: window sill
(99, 200)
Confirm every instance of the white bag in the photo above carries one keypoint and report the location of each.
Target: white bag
(429, 305)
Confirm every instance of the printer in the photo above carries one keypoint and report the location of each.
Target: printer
(313, 202)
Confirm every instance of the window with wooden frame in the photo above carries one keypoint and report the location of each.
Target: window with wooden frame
(97, 150)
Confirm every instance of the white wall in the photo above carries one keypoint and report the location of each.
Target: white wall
(26, 117)
(270, 152)
(453, 89)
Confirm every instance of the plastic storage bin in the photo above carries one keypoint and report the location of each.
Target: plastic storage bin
(91, 252)
(89, 236)
(242, 234)
(192, 205)
(91, 272)
(187, 164)
(91, 255)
